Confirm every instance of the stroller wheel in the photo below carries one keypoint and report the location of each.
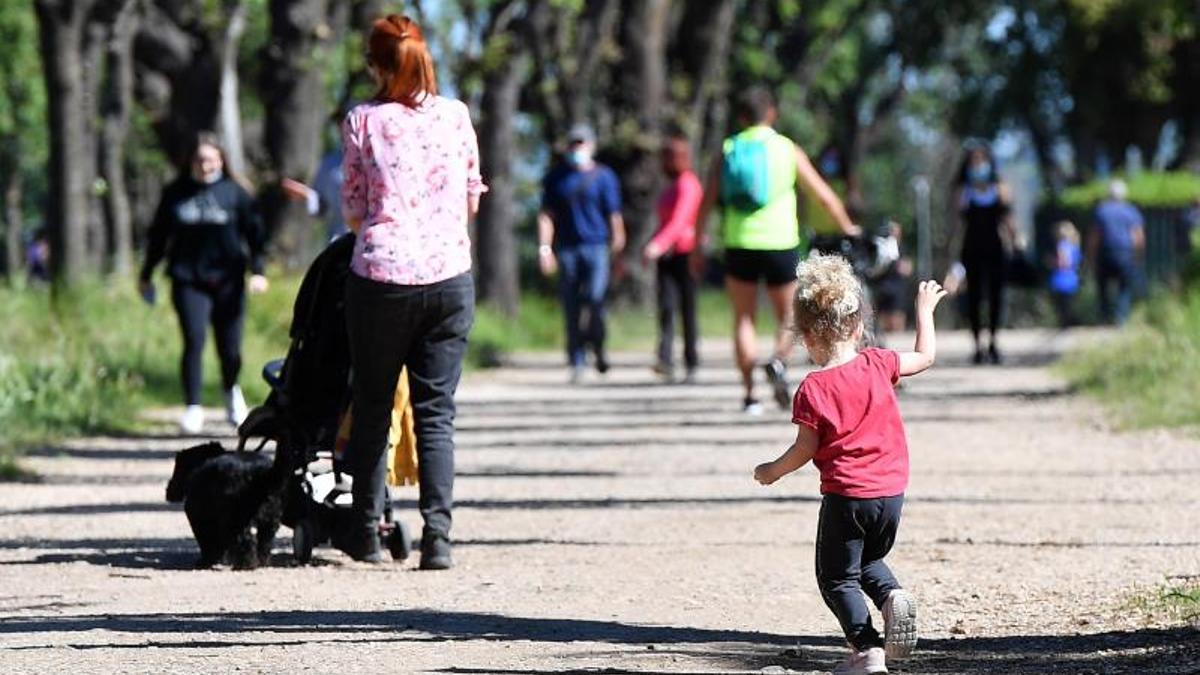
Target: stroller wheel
(302, 541)
(399, 542)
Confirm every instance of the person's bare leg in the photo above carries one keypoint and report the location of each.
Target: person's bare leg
(743, 295)
(893, 322)
(780, 298)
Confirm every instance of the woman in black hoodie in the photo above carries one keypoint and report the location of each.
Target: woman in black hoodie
(208, 227)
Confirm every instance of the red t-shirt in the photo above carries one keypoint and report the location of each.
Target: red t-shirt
(862, 451)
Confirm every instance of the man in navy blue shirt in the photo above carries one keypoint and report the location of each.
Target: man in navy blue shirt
(1115, 244)
(579, 224)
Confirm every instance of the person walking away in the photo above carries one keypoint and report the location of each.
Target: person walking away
(754, 179)
(985, 228)
(1115, 244)
(890, 286)
(324, 197)
(209, 229)
(670, 249)
(849, 425)
(579, 225)
(1064, 276)
(411, 182)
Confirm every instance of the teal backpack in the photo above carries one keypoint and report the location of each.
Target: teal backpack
(745, 184)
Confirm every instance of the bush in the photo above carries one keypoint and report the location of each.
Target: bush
(1164, 190)
(1147, 375)
(88, 360)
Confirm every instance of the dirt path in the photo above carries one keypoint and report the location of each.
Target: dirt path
(614, 527)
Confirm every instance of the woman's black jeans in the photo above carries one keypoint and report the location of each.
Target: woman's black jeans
(425, 328)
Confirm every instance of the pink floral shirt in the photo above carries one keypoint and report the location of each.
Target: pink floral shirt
(408, 172)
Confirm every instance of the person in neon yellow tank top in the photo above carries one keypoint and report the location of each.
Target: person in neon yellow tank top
(754, 180)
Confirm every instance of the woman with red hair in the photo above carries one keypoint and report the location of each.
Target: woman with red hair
(411, 166)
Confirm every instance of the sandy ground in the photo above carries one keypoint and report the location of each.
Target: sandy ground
(614, 527)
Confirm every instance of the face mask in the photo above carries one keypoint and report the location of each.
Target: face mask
(980, 173)
(579, 157)
(830, 167)
(206, 178)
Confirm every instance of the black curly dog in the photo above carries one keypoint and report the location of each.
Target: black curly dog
(233, 501)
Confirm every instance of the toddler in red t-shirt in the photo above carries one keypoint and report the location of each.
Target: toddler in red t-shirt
(849, 426)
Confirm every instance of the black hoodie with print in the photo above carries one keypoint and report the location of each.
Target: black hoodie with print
(209, 233)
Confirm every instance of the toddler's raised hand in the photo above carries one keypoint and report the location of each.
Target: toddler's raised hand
(929, 293)
(765, 473)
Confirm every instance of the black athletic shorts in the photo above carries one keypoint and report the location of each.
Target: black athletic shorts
(775, 267)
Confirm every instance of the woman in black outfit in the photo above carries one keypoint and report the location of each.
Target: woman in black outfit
(208, 227)
(983, 208)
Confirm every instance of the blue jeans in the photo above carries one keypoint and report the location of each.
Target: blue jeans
(1122, 270)
(582, 284)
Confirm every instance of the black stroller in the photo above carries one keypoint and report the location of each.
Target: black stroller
(310, 391)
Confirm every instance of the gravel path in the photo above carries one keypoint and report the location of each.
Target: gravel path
(614, 527)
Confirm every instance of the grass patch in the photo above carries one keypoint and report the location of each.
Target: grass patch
(89, 360)
(1177, 601)
(539, 327)
(1147, 375)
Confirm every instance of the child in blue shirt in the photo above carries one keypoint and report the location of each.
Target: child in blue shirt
(1064, 277)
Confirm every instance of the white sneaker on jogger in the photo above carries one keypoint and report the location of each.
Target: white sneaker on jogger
(192, 420)
(867, 662)
(899, 624)
(235, 406)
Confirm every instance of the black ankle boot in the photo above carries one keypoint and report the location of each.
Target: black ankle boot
(435, 552)
(362, 545)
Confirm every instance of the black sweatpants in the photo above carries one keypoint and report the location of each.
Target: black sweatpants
(196, 304)
(986, 278)
(853, 537)
(676, 295)
(425, 328)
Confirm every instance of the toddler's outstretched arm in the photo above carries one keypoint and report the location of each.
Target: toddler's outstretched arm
(796, 456)
(929, 293)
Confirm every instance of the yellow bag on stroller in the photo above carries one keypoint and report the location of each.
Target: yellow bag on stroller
(402, 437)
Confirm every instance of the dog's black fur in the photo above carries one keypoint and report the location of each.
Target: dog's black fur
(233, 501)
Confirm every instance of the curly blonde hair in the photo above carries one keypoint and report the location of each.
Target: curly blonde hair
(829, 305)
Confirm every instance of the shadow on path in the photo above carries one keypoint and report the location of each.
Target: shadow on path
(1166, 650)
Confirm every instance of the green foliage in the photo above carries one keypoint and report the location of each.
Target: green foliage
(1147, 374)
(24, 146)
(1150, 189)
(539, 327)
(1176, 601)
(89, 360)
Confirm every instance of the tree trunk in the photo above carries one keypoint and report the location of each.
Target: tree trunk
(61, 26)
(640, 99)
(94, 42)
(495, 238)
(14, 248)
(705, 36)
(229, 122)
(117, 105)
(180, 76)
(294, 98)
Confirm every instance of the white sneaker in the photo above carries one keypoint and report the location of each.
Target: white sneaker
(235, 406)
(899, 624)
(867, 662)
(752, 407)
(192, 420)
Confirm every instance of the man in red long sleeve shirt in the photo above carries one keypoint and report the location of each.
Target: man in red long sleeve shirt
(670, 248)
